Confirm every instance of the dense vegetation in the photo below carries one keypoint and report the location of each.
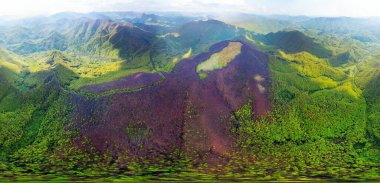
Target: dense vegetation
(318, 124)
(325, 91)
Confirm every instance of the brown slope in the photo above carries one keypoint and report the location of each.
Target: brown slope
(181, 112)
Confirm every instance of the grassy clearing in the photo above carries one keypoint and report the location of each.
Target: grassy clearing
(220, 59)
(187, 54)
(11, 61)
(107, 77)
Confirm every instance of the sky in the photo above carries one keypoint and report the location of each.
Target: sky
(351, 8)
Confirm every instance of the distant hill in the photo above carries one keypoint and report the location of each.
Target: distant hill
(363, 29)
(201, 33)
(101, 37)
(295, 41)
(259, 24)
(161, 95)
(348, 57)
(106, 37)
(54, 41)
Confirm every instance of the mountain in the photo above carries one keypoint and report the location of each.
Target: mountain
(295, 41)
(165, 96)
(54, 41)
(158, 20)
(260, 24)
(182, 120)
(10, 66)
(6, 76)
(372, 94)
(107, 37)
(11, 60)
(348, 57)
(198, 33)
(365, 29)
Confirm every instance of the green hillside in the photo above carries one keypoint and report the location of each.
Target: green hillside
(201, 34)
(136, 96)
(295, 41)
(259, 24)
(10, 66)
(319, 117)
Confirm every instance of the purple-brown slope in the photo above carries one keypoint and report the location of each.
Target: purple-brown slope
(181, 112)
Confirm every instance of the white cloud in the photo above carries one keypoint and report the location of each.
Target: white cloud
(292, 7)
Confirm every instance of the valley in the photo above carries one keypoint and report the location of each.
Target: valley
(145, 96)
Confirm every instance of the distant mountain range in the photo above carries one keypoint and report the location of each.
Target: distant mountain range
(164, 94)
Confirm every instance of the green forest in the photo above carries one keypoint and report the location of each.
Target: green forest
(137, 97)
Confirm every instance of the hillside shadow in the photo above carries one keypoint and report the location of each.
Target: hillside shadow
(372, 95)
(294, 42)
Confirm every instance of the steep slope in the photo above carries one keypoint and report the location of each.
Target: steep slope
(11, 61)
(348, 57)
(163, 20)
(10, 66)
(295, 41)
(122, 99)
(33, 123)
(26, 103)
(6, 86)
(200, 34)
(363, 29)
(372, 93)
(17, 35)
(149, 118)
(119, 47)
(54, 41)
(367, 77)
(109, 38)
(260, 24)
(102, 37)
(95, 48)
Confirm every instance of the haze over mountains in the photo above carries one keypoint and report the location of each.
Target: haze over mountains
(139, 94)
